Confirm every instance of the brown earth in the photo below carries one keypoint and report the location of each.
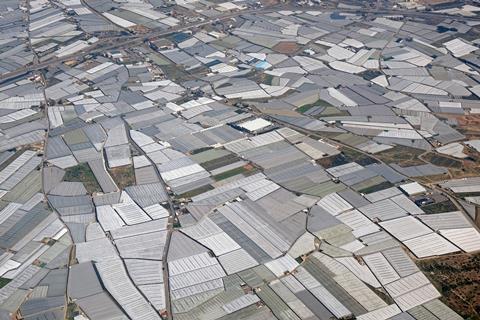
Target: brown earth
(468, 124)
(457, 278)
(123, 176)
(286, 47)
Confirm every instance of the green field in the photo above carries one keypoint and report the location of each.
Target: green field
(83, 173)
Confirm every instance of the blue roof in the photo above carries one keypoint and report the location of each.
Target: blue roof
(181, 36)
(262, 65)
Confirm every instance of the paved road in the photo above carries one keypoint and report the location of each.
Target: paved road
(109, 43)
(171, 220)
